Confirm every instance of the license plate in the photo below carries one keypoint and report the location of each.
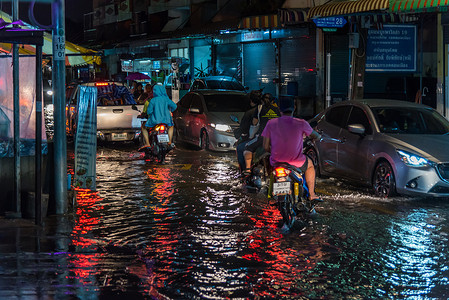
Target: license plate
(162, 138)
(119, 136)
(281, 188)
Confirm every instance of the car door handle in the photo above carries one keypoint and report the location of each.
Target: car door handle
(117, 111)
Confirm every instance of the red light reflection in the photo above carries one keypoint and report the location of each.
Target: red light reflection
(285, 266)
(87, 201)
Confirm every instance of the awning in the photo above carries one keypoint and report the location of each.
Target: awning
(75, 54)
(259, 22)
(348, 7)
(418, 5)
(289, 16)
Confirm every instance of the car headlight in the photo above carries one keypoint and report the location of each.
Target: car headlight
(412, 160)
(221, 127)
(50, 93)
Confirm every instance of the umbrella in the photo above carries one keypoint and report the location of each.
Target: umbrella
(137, 76)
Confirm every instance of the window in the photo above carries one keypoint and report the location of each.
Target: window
(184, 103)
(358, 116)
(338, 115)
(179, 52)
(227, 103)
(410, 121)
(197, 103)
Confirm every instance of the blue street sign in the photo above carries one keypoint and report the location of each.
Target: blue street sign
(331, 22)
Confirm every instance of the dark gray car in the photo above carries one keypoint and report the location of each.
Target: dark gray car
(395, 146)
(203, 118)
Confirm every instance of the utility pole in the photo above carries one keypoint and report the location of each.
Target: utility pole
(58, 79)
(16, 101)
(358, 59)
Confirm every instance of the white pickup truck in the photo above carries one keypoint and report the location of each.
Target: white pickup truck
(116, 120)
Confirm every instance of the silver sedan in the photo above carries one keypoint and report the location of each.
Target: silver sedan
(394, 146)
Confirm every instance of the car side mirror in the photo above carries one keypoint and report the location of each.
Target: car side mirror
(134, 107)
(194, 110)
(358, 129)
(234, 118)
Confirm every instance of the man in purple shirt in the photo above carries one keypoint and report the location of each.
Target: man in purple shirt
(284, 138)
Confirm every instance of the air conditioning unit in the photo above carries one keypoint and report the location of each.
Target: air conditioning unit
(110, 14)
(98, 16)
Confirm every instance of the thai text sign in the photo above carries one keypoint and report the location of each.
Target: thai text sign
(86, 139)
(331, 22)
(391, 49)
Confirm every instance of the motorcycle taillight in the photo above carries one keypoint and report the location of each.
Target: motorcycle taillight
(281, 172)
(160, 128)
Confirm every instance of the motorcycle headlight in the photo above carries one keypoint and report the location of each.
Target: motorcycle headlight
(412, 160)
(221, 127)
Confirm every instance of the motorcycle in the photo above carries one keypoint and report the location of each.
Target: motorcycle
(291, 193)
(257, 180)
(159, 142)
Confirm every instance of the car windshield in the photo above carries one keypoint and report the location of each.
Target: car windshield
(226, 103)
(225, 85)
(410, 120)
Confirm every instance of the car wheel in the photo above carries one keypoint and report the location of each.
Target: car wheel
(311, 153)
(384, 184)
(204, 140)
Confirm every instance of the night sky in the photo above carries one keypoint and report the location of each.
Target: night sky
(74, 12)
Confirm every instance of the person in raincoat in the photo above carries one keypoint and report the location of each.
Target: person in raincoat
(160, 110)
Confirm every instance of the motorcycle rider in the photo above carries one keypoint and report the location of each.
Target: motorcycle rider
(145, 99)
(242, 133)
(160, 110)
(269, 111)
(284, 138)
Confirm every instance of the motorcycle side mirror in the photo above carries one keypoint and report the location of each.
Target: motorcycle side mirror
(234, 118)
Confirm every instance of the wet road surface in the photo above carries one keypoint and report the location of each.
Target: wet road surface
(187, 230)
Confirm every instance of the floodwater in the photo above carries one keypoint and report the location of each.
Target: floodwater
(187, 230)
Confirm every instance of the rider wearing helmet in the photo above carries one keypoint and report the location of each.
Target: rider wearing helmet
(284, 138)
(268, 111)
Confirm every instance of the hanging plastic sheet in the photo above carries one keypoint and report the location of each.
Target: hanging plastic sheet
(86, 139)
(27, 100)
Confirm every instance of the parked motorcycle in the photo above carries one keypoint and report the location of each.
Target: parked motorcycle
(290, 190)
(159, 142)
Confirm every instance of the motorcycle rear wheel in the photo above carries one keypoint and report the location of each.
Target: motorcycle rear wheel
(287, 210)
(161, 156)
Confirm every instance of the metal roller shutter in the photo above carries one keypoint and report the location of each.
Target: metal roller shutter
(298, 66)
(229, 60)
(259, 66)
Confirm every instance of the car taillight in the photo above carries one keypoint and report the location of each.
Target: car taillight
(101, 84)
(281, 172)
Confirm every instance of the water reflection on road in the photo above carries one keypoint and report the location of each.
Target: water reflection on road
(187, 230)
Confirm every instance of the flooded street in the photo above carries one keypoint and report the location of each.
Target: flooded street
(187, 230)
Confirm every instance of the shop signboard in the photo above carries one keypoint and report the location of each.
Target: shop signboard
(391, 49)
(331, 22)
(127, 65)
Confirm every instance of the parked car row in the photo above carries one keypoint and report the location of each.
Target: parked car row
(396, 147)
